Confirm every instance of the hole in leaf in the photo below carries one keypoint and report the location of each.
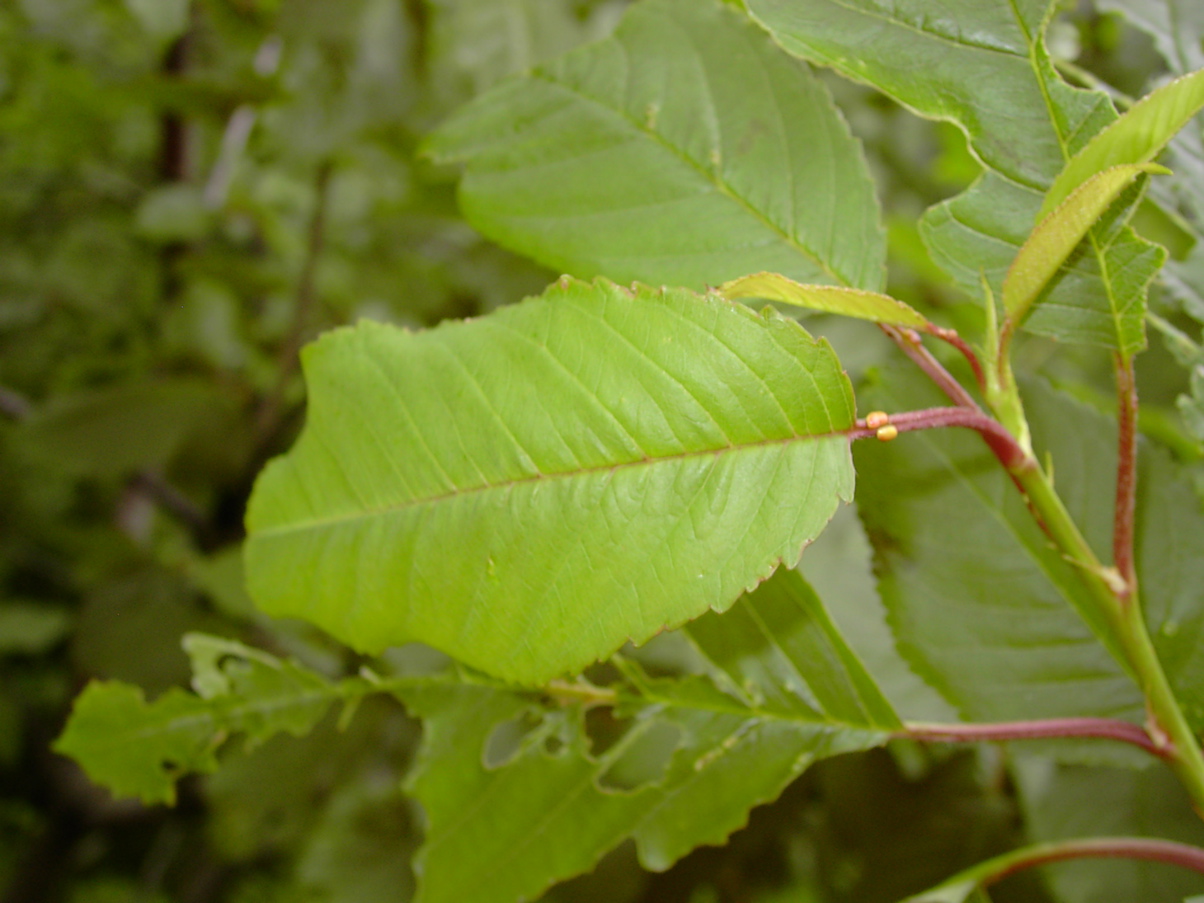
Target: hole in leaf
(604, 730)
(509, 738)
(554, 744)
(602, 674)
(643, 759)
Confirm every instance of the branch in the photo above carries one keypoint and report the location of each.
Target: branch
(887, 426)
(1000, 867)
(270, 410)
(1052, 728)
(951, 336)
(909, 343)
(174, 502)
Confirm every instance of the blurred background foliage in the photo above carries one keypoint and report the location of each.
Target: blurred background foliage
(189, 191)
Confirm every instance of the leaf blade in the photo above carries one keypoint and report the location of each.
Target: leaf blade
(996, 632)
(1059, 232)
(979, 603)
(685, 150)
(583, 468)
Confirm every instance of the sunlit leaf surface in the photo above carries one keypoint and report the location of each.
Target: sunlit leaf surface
(529, 490)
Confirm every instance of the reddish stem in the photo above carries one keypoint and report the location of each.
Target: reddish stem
(1151, 850)
(1052, 728)
(999, 439)
(909, 343)
(951, 336)
(1126, 476)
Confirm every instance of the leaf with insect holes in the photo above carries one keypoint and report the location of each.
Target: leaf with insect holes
(140, 749)
(520, 792)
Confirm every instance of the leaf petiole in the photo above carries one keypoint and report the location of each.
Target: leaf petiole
(960, 886)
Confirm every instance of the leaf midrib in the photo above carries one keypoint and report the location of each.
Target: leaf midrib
(508, 485)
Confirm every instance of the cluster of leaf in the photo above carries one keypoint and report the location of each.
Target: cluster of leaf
(251, 175)
(188, 191)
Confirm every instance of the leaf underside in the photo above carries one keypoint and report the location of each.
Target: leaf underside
(529, 490)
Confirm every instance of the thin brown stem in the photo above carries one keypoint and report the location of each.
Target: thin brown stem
(287, 359)
(174, 502)
(1051, 728)
(1126, 476)
(951, 336)
(173, 142)
(1003, 444)
(909, 343)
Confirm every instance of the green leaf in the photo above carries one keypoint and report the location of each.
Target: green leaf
(1060, 232)
(359, 850)
(781, 650)
(847, 302)
(980, 603)
(224, 669)
(1175, 26)
(473, 44)
(528, 490)
(840, 567)
(507, 831)
(987, 70)
(29, 627)
(1136, 137)
(684, 150)
(139, 749)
